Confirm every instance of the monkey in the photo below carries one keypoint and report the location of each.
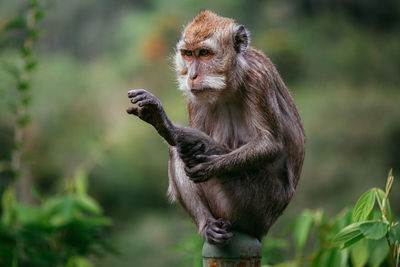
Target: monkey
(236, 166)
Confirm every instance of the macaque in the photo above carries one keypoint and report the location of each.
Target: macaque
(237, 166)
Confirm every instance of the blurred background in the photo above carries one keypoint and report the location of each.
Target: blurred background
(339, 59)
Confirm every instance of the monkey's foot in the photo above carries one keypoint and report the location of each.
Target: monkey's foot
(217, 232)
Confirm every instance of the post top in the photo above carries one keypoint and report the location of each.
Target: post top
(240, 246)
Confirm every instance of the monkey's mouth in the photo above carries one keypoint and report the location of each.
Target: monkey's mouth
(197, 91)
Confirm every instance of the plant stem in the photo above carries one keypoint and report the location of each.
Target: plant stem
(19, 169)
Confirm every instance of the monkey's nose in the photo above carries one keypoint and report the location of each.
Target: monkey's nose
(193, 76)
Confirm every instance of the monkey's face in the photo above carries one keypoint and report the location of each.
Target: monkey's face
(201, 70)
(205, 57)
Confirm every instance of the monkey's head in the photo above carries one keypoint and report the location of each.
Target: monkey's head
(207, 56)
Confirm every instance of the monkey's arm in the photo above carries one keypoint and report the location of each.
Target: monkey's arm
(202, 156)
(254, 154)
(190, 142)
(150, 110)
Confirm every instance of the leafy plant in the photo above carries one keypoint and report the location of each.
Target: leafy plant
(24, 24)
(366, 235)
(369, 228)
(62, 231)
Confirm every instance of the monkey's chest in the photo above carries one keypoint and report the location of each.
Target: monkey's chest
(229, 128)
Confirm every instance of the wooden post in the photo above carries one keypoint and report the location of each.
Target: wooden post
(241, 251)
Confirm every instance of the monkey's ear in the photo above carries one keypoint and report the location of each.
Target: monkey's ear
(240, 39)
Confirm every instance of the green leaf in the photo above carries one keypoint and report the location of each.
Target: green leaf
(28, 214)
(302, 229)
(31, 65)
(80, 181)
(394, 233)
(87, 204)
(345, 257)
(352, 241)
(17, 23)
(364, 206)
(26, 52)
(327, 258)
(378, 250)
(348, 233)
(374, 230)
(384, 203)
(9, 203)
(24, 120)
(359, 254)
(78, 261)
(23, 86)
(334, 258)
(26, 100)
(39, 15)
(62, 211)
(33, 33)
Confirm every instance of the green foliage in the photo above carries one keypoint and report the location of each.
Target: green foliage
(62, 231)
(365, 235)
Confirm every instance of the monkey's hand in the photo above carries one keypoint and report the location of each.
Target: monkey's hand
(189, 150)
(203, 170)
(196, 147)
(149, 108)
(217, 232)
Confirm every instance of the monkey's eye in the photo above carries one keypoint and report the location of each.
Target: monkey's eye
(204, 52)
(187, 53)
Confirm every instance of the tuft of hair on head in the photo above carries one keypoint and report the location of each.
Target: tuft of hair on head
(204, 25)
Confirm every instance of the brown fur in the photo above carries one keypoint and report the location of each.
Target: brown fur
(203, 26)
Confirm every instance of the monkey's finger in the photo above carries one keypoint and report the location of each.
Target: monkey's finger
(147, 101)
(221, 231)
(133, 110)
(224, 236)
(223, 223)
(217, 238)
(196, 148)
(189, 170)
(204, 158)
(195, 176)
(133, 93)
(135, 99)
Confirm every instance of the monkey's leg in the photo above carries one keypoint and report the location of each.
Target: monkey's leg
(191, 196)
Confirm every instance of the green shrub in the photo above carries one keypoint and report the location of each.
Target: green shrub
(366, 235)
(62, 231)
(65, 229)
